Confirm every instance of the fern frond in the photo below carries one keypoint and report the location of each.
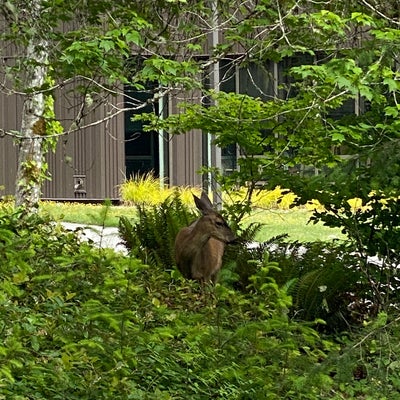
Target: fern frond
(152, 238)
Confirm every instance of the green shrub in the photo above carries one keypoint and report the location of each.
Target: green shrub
(373, 232)
(366, 367)
(322, 279)
(79, 322)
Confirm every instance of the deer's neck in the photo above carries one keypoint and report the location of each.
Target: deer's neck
(197, 237)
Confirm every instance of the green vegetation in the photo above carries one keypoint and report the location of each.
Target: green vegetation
(294, 222)
(275, 222)
(308, 320)
(79, 322)
(86, 214)
(148, 190)
(271, 208)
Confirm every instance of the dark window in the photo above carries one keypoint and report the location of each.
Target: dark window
(141, 148)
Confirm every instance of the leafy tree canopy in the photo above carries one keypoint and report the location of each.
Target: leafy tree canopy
(349, 54)
(91, 49)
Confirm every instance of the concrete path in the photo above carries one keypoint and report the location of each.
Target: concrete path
(102, 237)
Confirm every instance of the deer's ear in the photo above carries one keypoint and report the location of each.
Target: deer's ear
(206, 200)
(203, 204)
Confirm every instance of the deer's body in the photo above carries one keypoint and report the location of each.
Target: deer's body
(200, 246)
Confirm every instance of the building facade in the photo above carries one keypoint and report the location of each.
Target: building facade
(92, 163)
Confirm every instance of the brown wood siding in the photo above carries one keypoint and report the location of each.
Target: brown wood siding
(185, 159)
(10, 108)
(8, 166)
(95, 155)
(185, 151)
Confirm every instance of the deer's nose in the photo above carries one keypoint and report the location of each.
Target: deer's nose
(235, 240)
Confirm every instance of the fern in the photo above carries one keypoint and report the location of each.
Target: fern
(321, 279)
(237, 258)
(152, 238)
(127, 234)
(320, 293)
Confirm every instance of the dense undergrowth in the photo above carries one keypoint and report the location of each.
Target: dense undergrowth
(78, 322)
(84, 323)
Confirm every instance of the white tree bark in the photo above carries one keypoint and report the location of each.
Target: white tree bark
(33, 126)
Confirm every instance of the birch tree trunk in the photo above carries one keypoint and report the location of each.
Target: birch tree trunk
(33, 126)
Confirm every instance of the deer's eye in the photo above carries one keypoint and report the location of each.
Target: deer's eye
(220, 224)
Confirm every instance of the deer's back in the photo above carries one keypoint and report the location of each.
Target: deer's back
(198, 260)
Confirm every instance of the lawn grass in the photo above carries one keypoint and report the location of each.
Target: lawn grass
(87, 214)
(293, 222)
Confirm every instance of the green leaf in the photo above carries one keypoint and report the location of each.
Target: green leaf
(133, 37)
(392, 84)
(343, 82)
(107, 45)
(363, 19)
(366, 92)
(392, 111)
(338, 137)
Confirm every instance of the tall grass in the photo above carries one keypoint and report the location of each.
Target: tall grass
(277, 198)
(146, 189)
(142, 189)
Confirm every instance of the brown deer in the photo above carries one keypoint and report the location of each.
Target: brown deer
(200, 246)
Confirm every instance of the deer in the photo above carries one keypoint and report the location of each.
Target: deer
(200, 246)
